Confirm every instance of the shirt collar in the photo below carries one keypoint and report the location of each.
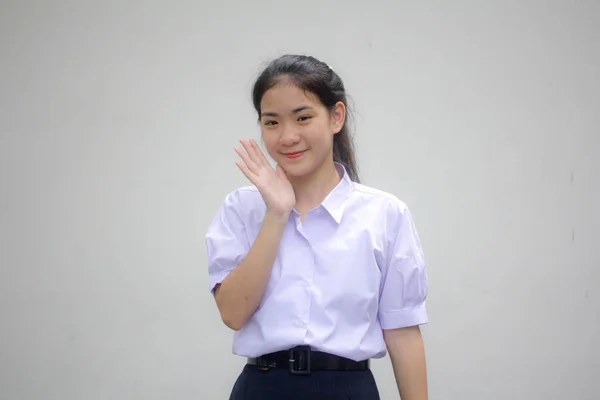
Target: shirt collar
(335, 202)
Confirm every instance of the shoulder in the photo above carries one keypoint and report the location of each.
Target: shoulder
(384, 210)
(377, 198)
(245, 200)
(237, 211)
(403, 238)
(244, 193)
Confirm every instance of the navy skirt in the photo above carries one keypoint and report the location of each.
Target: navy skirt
(278, 384)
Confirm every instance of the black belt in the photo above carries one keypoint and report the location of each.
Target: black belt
(302, 360)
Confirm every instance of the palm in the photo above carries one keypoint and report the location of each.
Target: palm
(273, 185)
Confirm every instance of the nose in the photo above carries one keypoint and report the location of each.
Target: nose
(289, 136)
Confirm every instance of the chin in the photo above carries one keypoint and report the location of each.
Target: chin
(296, 169)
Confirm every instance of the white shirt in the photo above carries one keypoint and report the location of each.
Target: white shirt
(354, 267)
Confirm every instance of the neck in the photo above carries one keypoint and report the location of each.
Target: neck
(312, 189)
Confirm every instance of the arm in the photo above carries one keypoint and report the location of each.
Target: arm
(239, 295)
(403, 306)
(239, 275)
(406, 349)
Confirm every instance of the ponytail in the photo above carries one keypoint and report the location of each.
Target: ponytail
(343, 153)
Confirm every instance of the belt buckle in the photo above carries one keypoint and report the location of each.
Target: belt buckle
(300, 360)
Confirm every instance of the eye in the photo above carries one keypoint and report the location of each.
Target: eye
(270, 122)
(304, 118)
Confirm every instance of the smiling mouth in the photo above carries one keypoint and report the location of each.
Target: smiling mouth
(294, 155)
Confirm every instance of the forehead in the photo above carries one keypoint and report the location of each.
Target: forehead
(285, 96)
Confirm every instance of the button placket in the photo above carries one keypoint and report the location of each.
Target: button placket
(307, 281)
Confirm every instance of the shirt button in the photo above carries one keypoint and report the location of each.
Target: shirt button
(300, 323)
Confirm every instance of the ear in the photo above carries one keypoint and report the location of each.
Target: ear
(338, 117)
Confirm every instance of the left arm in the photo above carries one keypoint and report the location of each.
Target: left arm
(407, 352)
(402, 306)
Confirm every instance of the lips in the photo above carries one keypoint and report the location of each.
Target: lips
(293, 155)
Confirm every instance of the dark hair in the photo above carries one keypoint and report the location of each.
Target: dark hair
(318, 78)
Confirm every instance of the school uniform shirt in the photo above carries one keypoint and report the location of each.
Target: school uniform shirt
(354, 267)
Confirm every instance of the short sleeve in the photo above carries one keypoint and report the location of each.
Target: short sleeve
(404, 281)
(226, 240)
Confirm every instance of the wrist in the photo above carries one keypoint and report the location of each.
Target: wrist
(277, 218)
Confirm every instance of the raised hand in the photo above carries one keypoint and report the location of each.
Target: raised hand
(273, 184)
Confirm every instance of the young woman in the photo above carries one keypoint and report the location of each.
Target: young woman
(316, 272)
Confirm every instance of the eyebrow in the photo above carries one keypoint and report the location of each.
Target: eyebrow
(294, 111)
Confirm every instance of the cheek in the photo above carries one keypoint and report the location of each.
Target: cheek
(321, 136)
(269, 142)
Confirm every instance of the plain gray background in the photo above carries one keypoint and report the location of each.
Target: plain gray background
(118, 121)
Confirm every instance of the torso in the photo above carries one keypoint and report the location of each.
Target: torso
(326, 282)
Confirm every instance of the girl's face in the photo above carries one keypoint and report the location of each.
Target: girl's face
(297, 129)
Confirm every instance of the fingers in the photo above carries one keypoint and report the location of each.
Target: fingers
(246, 171)
(254, 152)
(251, 165)
(253, 159)
(259, 153)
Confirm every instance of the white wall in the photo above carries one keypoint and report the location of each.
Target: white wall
(117, 124)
